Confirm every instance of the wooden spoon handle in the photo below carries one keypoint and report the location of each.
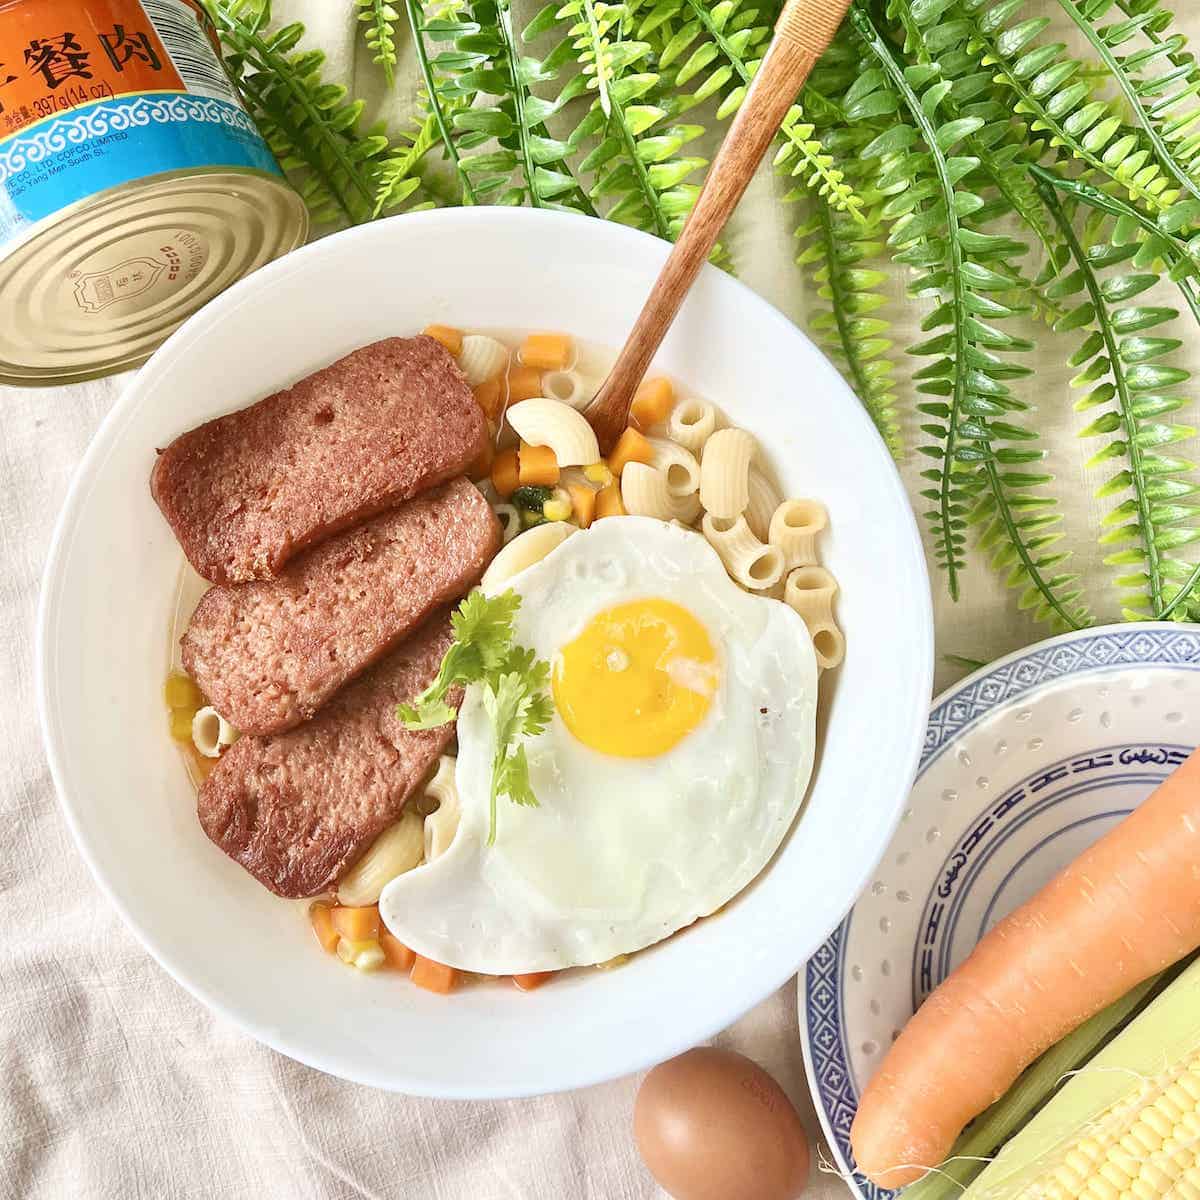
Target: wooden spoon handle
(804, 29)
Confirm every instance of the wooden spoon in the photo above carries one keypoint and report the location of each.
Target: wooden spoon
(804, 29)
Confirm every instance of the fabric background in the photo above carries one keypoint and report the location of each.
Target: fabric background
(115, 1084)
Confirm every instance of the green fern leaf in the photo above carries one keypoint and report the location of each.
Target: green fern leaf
(379, 19)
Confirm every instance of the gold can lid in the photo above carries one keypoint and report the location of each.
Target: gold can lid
(98, 288)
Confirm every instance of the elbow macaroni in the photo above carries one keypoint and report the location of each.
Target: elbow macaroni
(691, 424)
(567, 387)
(678, 465)
(794, 529)
(442, 824)
(755, 566)
(725, 473)
(523, 551)
(764, 500)
(396, 850)
(811, 591)
(482, 358)
(645, 492)
(543, 422)
(510, 521)
(211, 733)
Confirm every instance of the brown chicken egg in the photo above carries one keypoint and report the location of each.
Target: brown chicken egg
(712, 1125)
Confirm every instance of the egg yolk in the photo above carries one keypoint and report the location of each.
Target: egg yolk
(637, 680)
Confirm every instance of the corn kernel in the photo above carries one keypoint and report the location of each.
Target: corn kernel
(180, 691)
(556, 510)
(598, 473)
(366, 955)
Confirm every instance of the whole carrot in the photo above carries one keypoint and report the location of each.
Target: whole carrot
(1122, 911)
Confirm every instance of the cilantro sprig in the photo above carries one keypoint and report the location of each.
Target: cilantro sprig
(514, 685)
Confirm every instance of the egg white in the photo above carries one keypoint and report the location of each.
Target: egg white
(621, 852)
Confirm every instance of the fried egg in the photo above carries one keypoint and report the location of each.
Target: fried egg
(676, 761)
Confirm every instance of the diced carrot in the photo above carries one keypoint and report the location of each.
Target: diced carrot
(450, 337)
(583, 503)
(482, 466)
(356, 924)
(548, 351)
(537, 466)
(534, 979)
(505, 473)
(490, 397)
(609, 503)
(630, 447)
(524, 382)
(180, 691)
(398, 955)
(321, 916)
(652, 402)
(433, 976)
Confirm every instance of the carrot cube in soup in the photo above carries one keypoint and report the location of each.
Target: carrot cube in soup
(450, 337)
(630, 447)
(397, 954)
(524, 383)
(482, 466)
(583, 503)
(609, 503)
(652, 403)
(433, 976)
(506, 473)
(320, 916)
(356, 924)
(537, 466)
(548, 351)
(490, 397)
(534, 979)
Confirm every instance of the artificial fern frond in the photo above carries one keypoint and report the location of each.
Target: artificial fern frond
(397, 179)
(635, 141)
(309, 124)
(1169, 122)
(722, 46)
(1059, 98)
(977, 448)
(378, 19)
(837, 252)
(1120, 363)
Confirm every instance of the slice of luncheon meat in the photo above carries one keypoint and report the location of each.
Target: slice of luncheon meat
(298, 809)
(248, 491)
(269, 654)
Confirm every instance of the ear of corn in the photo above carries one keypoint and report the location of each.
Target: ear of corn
(1126, 1127)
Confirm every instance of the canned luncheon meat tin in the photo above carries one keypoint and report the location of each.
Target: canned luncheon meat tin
(133, 184)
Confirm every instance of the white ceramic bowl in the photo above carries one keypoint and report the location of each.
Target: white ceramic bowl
(104, 631)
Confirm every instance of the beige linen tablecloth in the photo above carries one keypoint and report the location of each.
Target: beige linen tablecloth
(116, 1084)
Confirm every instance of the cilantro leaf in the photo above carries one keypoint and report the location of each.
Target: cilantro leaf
(514, 695)
(482, 641)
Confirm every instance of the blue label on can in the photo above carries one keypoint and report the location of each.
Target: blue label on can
(62, 159)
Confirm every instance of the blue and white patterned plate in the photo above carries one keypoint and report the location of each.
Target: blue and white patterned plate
(1026, 762)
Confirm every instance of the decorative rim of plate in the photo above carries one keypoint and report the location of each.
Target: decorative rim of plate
(956, 710)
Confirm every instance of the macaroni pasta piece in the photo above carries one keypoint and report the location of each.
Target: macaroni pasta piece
(725, 473)
(755, 566)
(482, 358)
(510, 521)
(567, 387)
(811, 591)
(764, 500)
(645, 492)
(523, 551)
(545, 422)
(794, 529)
(396, 850)
(678, 464)
(442, 824)
(691, 424)
(211, 733)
